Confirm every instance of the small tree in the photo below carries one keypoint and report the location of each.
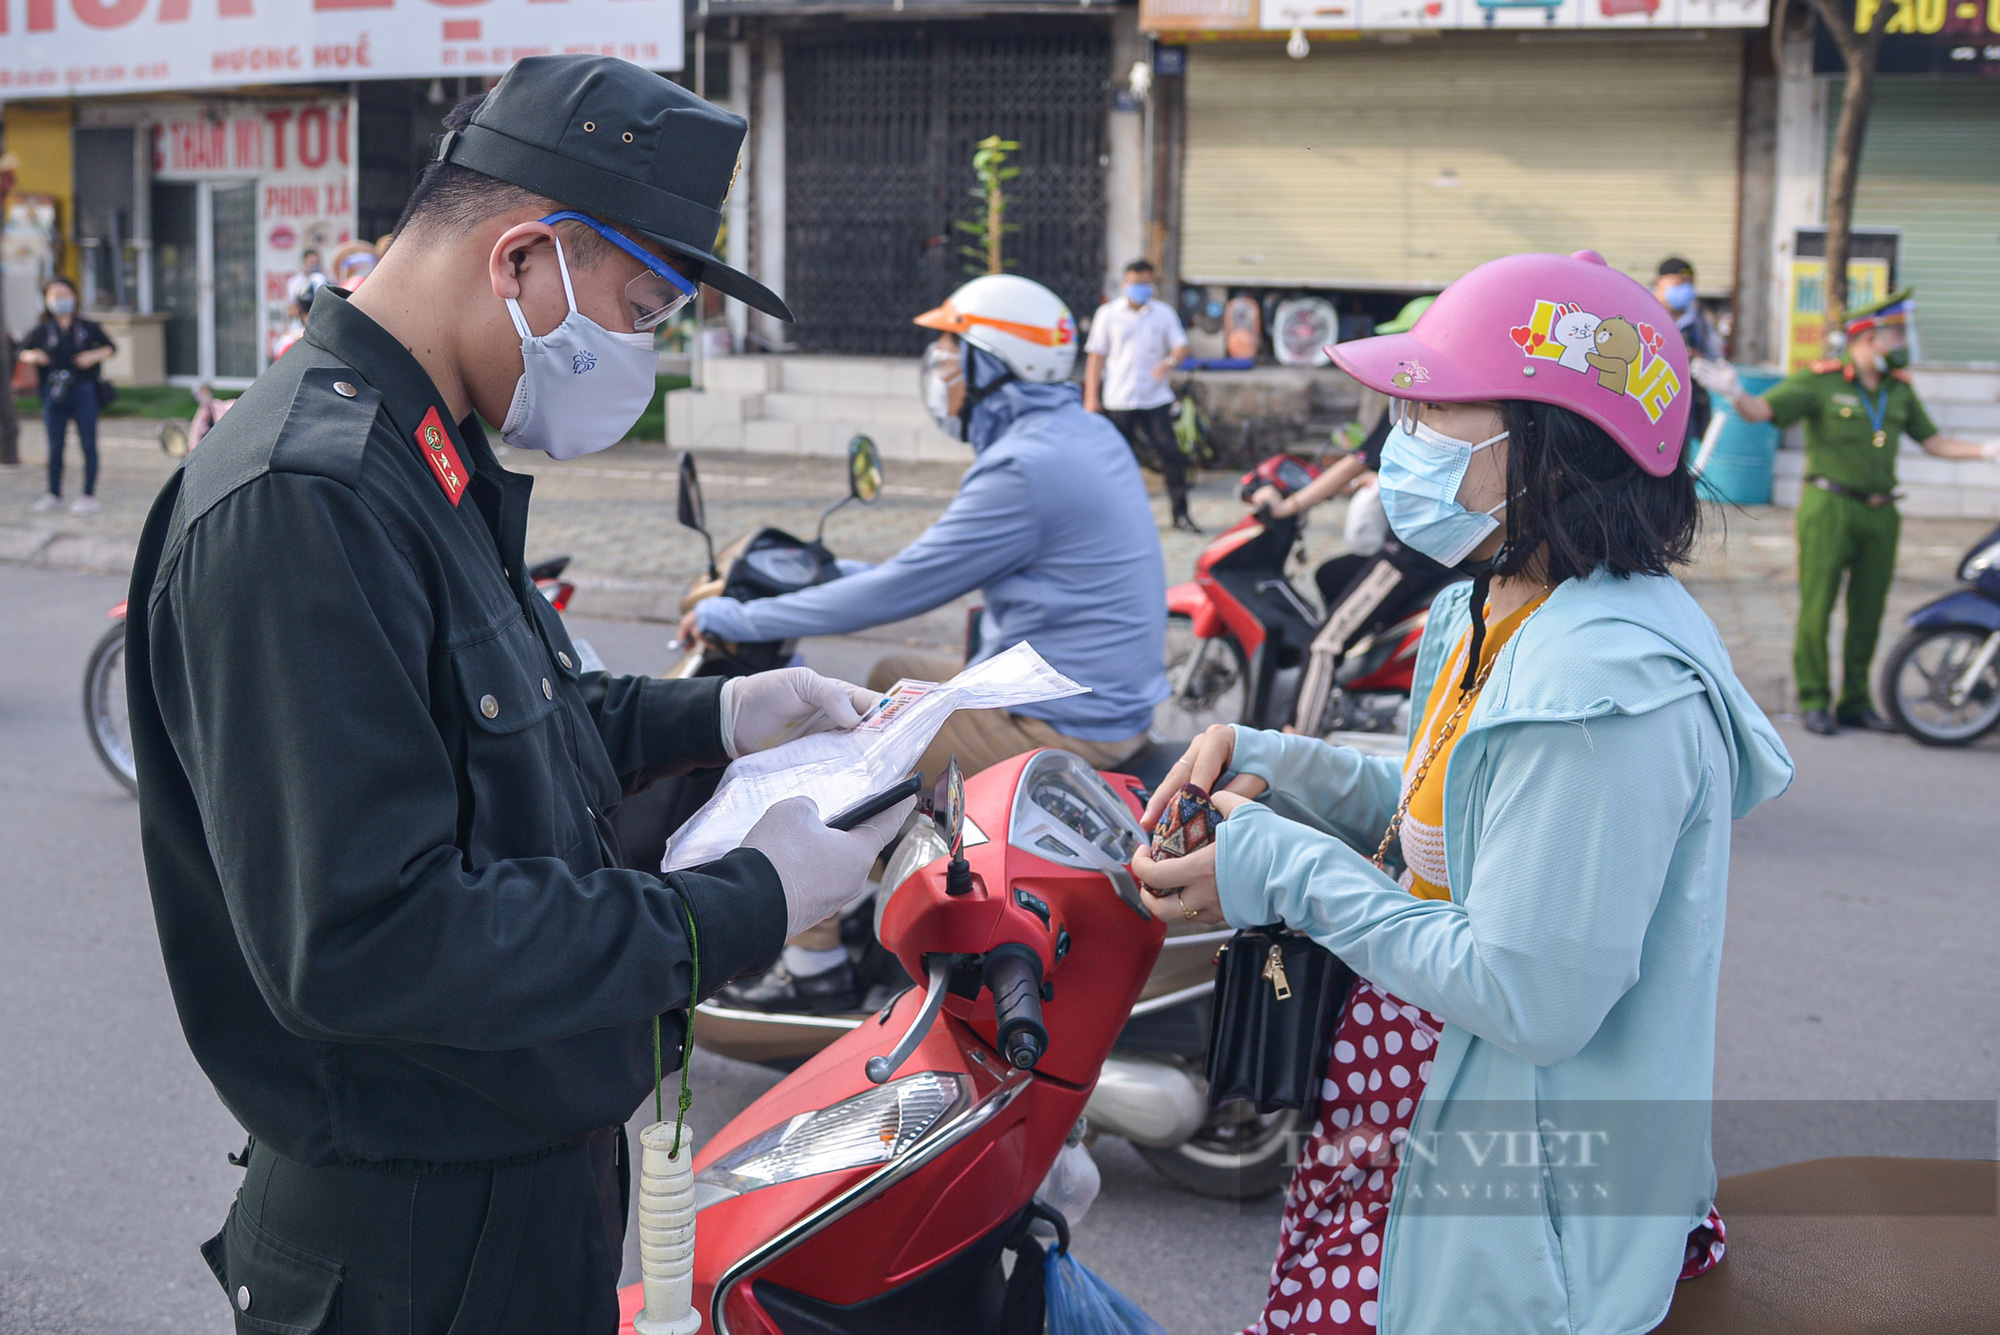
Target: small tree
(989, 161)
(1860, 44)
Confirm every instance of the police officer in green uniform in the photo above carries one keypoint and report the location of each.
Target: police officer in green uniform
(1856, 410)
(373, 772)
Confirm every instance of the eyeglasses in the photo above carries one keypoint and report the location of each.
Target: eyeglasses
(655, 296)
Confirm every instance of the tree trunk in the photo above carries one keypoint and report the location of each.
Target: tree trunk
(1859, 52)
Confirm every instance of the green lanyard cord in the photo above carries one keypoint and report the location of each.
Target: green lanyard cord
(687, 1035)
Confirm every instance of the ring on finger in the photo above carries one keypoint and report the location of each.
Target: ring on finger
(1180, 897)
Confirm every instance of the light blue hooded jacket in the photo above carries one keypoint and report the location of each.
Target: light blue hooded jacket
(1052, 524)
(1587, 810)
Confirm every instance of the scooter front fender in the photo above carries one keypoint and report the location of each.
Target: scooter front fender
(1190, 600)
(1966, 607)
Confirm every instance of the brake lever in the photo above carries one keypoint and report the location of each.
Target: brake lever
(880, 1068)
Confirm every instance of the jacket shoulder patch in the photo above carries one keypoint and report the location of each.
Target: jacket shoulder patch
(1823, 365)
(327, 425)
(441, 455)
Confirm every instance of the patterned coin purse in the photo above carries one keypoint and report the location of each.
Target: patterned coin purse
(1187, 825)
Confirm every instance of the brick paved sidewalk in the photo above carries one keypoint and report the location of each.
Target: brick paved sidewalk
(614, 514)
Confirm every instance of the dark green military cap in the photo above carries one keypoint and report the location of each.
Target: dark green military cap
(622, 144)
(1896, 308)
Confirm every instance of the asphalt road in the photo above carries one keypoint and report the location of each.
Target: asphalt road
(1864, 921)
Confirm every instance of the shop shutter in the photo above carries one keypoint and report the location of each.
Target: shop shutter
(1380, 166)
(1930, 166)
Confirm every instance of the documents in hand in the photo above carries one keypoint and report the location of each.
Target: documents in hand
(837, 769)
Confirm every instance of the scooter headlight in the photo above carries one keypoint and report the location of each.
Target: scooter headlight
(1981, 561)
(870, 1128)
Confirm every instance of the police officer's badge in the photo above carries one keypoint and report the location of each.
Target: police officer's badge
(438, 452)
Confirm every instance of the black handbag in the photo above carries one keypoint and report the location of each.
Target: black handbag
(1278, 995)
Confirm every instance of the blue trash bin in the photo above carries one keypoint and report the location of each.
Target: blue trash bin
(1739, 471)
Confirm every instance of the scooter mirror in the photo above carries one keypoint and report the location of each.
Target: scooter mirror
(864, 470)
(692, 511)
(174, 440)
(948, 807)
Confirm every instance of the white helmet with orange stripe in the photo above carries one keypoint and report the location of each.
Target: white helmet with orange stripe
(1017, 320)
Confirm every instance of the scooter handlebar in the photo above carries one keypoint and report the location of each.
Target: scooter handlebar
(1013, 974)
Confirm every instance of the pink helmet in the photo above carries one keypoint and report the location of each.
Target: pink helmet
(1563, 329)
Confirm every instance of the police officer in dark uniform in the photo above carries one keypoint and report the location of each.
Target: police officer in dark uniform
(1856, 410)
(373, 773)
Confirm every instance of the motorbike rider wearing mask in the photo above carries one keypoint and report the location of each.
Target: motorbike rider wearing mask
(1856, 409)
(1051, 524)
(374, 776)
(1540, 925)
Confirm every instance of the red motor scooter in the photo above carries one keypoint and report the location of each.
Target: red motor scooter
(1245, 646)
(876, 1188)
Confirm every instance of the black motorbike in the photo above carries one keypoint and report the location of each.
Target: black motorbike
(1941, 683)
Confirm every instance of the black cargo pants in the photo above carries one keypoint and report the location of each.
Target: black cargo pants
(529, 1246)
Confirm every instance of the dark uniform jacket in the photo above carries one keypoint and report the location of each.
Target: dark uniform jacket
(373, 782)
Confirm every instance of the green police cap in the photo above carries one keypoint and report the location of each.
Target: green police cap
(1405, 317)
(1892, 309)
(622, 144)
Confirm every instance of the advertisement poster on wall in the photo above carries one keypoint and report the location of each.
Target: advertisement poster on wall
(62, 48)
(1871, 272)
(298, 156)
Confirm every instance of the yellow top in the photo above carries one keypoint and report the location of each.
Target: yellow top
(1423, 827)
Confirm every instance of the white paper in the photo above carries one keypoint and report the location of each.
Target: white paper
(838, 769)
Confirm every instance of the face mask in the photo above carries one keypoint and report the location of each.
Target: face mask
(1893, 360)
(1421, 473)
(62, 305)
(1138, 293)
(941, 372)
(581, 387)
(1679, 297)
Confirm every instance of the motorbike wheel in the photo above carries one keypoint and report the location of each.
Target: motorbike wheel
(1219, 694)
(104, 714)
(1238, 1155)
(1918, 678)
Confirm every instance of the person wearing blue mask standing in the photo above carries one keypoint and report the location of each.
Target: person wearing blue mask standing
(1135, 343)
(1675, 289)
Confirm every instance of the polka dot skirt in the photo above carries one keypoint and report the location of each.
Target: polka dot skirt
(1328, 1272)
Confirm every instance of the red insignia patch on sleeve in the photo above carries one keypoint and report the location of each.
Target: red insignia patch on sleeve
(435, 443)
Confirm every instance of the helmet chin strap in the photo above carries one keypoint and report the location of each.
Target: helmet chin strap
(1482, 582)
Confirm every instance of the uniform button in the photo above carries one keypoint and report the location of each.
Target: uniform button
(563, 658)
(547, 693)
(488, 706)
(346, 391)
(243, 1298)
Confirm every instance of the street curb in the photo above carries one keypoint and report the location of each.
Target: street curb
(57, 549)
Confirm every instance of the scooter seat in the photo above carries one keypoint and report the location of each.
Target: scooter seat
(1878, 1246)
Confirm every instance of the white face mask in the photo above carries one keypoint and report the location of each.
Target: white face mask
(942, 369)
(581, 387)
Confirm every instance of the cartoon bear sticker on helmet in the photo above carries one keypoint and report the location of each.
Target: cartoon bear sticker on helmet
(1623, 356)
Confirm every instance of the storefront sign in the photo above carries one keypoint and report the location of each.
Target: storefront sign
(301, 156)
(57, 48)
(1871, 268)
(1948, 37)
(1275, 18)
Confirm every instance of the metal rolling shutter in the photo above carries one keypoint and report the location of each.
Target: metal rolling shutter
(1369, 165)
(1930, 167)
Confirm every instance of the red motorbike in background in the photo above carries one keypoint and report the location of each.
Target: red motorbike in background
(104, 716)
(1244, 645)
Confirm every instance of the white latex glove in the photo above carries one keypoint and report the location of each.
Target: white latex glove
(1990, 451)
(823, 870)
(1717, 377)
(771, 708)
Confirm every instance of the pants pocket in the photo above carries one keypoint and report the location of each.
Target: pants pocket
(273, 1287)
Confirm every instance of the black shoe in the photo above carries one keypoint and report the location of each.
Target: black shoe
(1186, 524)
(778, 992)
(1821, 722)
(1868, 719)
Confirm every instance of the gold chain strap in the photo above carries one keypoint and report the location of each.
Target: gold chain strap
(1465, 699)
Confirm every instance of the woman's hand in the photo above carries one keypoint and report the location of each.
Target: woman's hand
(1184, 889)
(1268, 497)
(1205, 761)
(689, 631)
(33, 356)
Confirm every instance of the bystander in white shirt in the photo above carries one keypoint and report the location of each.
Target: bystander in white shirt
(1134, 342)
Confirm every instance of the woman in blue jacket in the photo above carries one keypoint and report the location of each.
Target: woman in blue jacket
(1513, 1129)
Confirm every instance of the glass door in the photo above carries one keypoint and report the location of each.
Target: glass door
(205, 278)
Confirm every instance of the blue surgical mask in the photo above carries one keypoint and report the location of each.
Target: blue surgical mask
(1420, 477)
(62, 305)
(1680, 296)
(1138, 293)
